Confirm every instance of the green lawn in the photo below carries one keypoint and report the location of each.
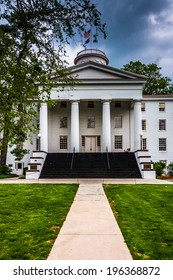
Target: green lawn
(6, 176)
(145, 216)
(31, 216)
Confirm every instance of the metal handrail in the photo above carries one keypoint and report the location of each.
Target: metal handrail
(72, 159)
(107, 156)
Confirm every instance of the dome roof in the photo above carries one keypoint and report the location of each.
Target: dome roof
(91, 55)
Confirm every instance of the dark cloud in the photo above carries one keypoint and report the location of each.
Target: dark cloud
(128, 17)
(137, 30)
(132, 30)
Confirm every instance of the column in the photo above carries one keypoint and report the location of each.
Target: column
(75, 126)
(106, 127)
(44, 127)
(137, 124)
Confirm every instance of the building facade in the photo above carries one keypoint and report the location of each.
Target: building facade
(105, 112)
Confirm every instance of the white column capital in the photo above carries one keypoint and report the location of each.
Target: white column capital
(74, 101)
(106, 101)
(137, 102)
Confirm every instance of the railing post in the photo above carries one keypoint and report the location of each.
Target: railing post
(107, 155)
(71, 165)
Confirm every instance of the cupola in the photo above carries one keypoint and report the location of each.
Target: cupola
(91, 55)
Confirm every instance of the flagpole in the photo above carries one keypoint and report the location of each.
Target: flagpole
(91, 38)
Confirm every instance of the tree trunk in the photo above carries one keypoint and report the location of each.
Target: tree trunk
(4, 145)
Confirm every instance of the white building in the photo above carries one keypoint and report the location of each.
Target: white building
(106, 112)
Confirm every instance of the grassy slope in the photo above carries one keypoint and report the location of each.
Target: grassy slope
(31, 217)
(145, 216)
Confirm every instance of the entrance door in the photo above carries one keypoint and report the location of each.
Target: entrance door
(90, 144)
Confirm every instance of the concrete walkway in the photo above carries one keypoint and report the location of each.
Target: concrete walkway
(16, 180)
(90, 231)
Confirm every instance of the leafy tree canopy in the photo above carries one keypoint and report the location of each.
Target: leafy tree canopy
(33, 37)
(156, 83)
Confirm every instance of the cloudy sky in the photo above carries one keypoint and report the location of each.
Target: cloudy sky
(136, 30)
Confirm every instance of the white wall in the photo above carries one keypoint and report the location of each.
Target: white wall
(11, 159)
(124, 110)
(152, 133)
(54, 130)
(99, 92)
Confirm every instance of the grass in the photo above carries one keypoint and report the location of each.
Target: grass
(31, 216)
(145, 216)
(5, 176)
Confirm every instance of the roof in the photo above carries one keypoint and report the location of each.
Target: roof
(158, 97)
(117, 73)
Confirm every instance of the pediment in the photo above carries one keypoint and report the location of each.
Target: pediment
(96, 71)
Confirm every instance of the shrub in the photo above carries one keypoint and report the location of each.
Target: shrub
(4, 169)
(170, 168)
(159, 167)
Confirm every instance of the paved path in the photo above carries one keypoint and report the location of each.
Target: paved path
(90, 231)
(84, 181)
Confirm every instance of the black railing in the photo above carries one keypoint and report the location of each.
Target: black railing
(72, 159)
(107, 156)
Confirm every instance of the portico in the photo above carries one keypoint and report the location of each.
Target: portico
(91, 126)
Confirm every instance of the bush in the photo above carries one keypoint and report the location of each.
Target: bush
(170, 168)
(4, 169)
(159, 167)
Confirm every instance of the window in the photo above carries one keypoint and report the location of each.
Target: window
(83, 141)
(161, 107)
(162, 124)
(143, 107)
(117, 104)
(63, 104)
(143, 124)
(19, 165)
(162, 144)
(90, 104)
(63, 142)
(147, 166)
(118, 141)
(33, 167)
(118, 121)
(144, 143)
(91, 122)
(63, 122)
(98, 141)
